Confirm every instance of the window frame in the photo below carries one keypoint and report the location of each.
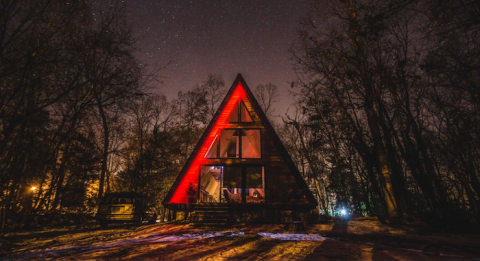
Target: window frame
(243, 170)
(222, 169)
(239, 144)
(239, 113)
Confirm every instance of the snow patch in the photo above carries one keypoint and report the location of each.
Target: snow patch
(156, 238)
(189, 236)
(294, 237)
(186, 236)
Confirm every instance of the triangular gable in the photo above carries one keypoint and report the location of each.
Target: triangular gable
(243, 114)
(189, 175)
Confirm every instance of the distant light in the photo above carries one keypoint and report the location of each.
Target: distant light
(33, 188)
(343, 212)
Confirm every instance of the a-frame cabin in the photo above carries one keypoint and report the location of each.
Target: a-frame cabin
(241, 164)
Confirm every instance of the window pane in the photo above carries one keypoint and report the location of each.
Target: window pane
(232, 183)
(119, 200)
(229, 144)
(255, 192)
(254, 177)
(234, 115)
(240, 109)
(213, 151)
(232, 195)
(251, 144)
(255, 195)
(210, 183)
(244, 114)
(232, 177)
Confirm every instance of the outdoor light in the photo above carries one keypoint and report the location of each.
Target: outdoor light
(33, 188)
(343, 212)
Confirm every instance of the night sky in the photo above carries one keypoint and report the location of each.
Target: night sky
(223, 37)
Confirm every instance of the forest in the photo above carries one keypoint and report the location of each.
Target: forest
(386, 121)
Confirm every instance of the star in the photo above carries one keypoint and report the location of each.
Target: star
(221, 37)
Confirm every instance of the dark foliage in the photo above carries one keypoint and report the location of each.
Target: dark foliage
(389, 90)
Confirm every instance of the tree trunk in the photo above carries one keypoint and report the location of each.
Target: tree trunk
(380, 152)
(61, 178)
(321, 195)
(106, 143)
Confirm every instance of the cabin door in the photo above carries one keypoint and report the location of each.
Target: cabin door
(210, 184)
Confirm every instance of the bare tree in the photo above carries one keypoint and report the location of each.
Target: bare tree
(267, 95)
(214, 89)
(59, 66)
(403, 91)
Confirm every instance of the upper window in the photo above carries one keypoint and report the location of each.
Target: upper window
(229, 140)
(240, 113)
(250, 143)
(213, 150)
(236, 143)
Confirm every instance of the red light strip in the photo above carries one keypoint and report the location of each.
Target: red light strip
(192, 173)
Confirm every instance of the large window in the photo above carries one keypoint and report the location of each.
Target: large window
(236, 143)
(243, 184)
(240, 143)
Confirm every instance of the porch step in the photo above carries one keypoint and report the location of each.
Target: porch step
(211, 215)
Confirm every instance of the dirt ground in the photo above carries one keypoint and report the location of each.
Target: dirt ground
(363, 239)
